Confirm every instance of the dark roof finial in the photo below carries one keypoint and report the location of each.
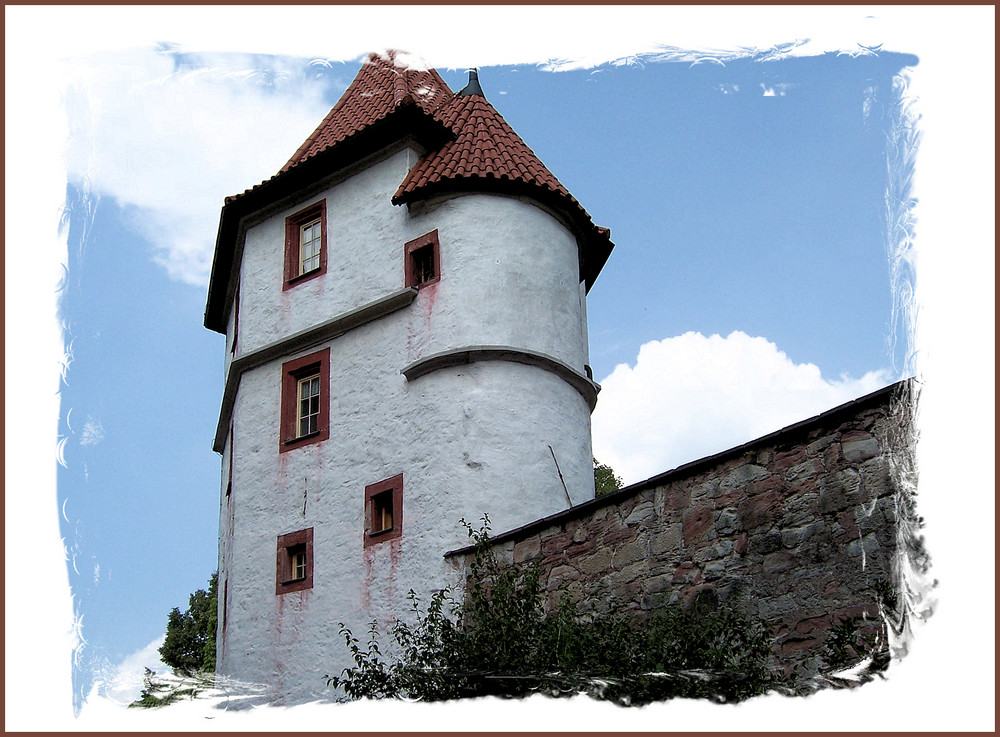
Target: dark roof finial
(472, 88)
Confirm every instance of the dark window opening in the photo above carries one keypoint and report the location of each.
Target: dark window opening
(423, 264)
(423, 260)
(384, 510)
(297, 562)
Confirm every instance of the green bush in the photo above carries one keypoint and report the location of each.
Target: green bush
(500, 641)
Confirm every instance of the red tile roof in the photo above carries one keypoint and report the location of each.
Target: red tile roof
(485, 147)
(485, 150)
(382, 86)
(469, 148)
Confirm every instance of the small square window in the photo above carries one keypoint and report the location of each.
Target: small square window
(384, 510)
(305, 244)
(295, 562)
(423, 260)
(305, 400)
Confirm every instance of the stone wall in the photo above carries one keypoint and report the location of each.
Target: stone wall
(798, 528)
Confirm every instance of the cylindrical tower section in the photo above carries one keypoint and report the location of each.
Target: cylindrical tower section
(502, 333)
(510, 276)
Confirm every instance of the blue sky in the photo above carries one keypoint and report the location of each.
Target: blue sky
(732, 211)
(750, 287)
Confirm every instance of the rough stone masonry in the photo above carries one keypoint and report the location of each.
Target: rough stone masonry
(800, 528)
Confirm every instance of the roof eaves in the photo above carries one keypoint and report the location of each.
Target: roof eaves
(405, 120)
(595, 241)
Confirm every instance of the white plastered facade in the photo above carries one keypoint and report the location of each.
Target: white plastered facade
(472, 439)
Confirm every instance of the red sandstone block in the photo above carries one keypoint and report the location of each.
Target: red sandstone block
(525, 550)
(740, 545)
(808, 625)
(846, 520)
(697, 522)
(694, 593)
(556, 544)
(760, 511)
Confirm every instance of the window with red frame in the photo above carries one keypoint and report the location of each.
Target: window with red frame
(294, 562)
(423, 260)
(384, 510)
(305, 244)
(305, 400)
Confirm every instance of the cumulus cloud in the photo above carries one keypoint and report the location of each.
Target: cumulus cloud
(121, 683)
(169, 136)
(690, 396)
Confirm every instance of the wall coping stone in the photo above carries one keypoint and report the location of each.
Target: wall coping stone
(798, 429)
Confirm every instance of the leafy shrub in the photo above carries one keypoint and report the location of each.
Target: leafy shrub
(500, 641)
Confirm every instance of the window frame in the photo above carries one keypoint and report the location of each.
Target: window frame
(304, 405)
(427, 240)
(292, 372)
(283, 582)
(293, 241)
(393, 485)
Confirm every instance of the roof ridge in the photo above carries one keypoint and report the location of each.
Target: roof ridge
(385, 83)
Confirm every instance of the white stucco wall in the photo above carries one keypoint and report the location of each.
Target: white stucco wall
(469, 440)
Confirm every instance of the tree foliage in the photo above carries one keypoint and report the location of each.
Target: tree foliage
(189, 646)
(500, 641)
(605, 479)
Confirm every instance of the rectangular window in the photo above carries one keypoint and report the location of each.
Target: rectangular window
(423, 260)
(384, 510)
(305, 244)
(295, 562)
(308, 419)
(305, 400)
(310, 237)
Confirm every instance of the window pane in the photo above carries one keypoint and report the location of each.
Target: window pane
(308, 406)
(299, 566)
(310, 238)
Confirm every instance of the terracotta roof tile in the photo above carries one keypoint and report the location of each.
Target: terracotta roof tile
(383, 84)
(470, 147)
(485, 147)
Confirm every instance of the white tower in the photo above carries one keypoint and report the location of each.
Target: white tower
(406, 345)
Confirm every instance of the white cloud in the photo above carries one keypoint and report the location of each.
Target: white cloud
(122, 683)
(170, 139)
(691, 396)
